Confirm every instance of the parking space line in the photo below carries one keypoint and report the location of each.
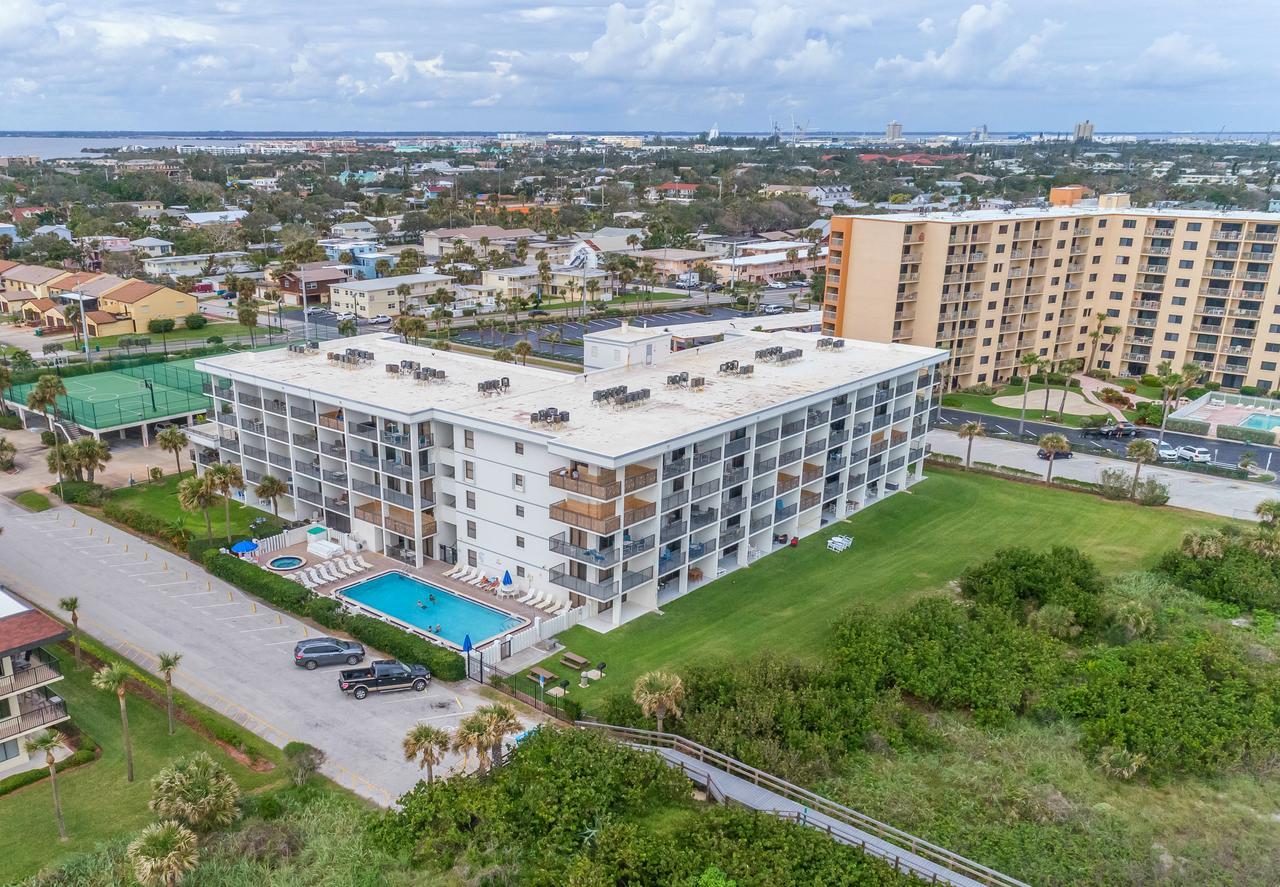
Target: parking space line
(194, 594)
(241, 616)
(168, 584)
(268, 628)
(212, 606)
(146, 573)
(278, 643)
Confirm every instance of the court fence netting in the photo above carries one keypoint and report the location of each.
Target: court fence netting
(127, 396)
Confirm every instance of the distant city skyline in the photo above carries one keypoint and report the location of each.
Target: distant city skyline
(642, 65)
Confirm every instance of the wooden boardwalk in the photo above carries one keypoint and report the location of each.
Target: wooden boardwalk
(729, 781)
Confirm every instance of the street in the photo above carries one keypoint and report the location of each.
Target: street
(237, 654)
(1225, 452)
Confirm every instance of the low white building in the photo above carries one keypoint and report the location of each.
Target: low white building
(613, 490)
(369, 298)
(196, 264)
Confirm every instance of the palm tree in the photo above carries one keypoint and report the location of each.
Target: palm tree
(1045, 367)
(92, 454)
(271, 488)
(1068, 367)
(49, 742)
(196, 791)
(522, 350)
(659, 694)
(1141, 452)
(468, 737)
(1202, 544)
(1268, 512)
(72, 606)
(970, 430)
(228, 477)
(44, 399)
(163, 853)
(1026, 364)
(346, 327)
(1247, 460)
(197, 493)
(1052, 444)
(173, 439)
(427, 745)
(168, 664)
(113, 678)
(1096, 336)
(7, 453)
(1173, 386)
(551, 339)
(500, 721)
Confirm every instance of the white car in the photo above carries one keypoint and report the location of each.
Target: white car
(1194, 454)
(346, 315)
(777, 285)
(316, 310)
(1166, 453)
(773, 309)
(379, 319)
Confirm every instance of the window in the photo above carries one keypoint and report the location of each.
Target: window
(991, 306)
(1045, 334)
(1095, 260)
(1186, 263)
(519, 542)
(986, 341)
(1179, 300)
(1272, 347)
(988, 324)
(469, 470)
(1062, 226)
(1004, 229)
(1117, 278)
(999, 248)
(471, 559)
(469, 439)
(1126, 241)
(8, 749)
(1097, 241)
(519, 511)
(519, 448)
(997, 267)
(471, 499)
(1167, 355)
(1193, 226)
(1057, 263)
(1171, 337)
(1102, 223)
(1122, 260)
(471, 529)
(1274, 328)
(1175, 318)
(1061, 244)
(1190, 245)
(1129, 223)
(984, 360)
(517, 482)
(1116, 296)
(995, 287)
(519, 571)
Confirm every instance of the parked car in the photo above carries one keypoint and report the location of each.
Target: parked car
(314, 652)
(346, 315)
(1060, 454)
(384, 675)
(776, 285)
(1119, 429)
(1166, 453)
(379, 319)
(538, 312)
(773, 309)
(1194, 454)
(317, 311)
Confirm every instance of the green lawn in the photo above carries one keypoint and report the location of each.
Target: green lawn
(161, 499)
(33, 501)
(96, 799)
(981, 403)
(907, 546)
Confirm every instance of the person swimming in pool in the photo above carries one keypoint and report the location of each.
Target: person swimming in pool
(437, 629)
(432, 598)
(421, 605)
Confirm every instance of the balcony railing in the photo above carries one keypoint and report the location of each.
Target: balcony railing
(331, 420)
(43, 668)
(673, 531)
(734, 447)
(49, 712)
(787, 483)
(595, 489)
(767, 436)
(399, 469)
(782, 514)
(790, 428)
(364, 429)
(706, 457)
(761, 523)
(255, 452)
(674, 467)
(369, 513)
(699, 519)
(566, 515)
(705, 489)
(735, 476)
(640, 479)
(762, 495)
(732, 535)
(729, 507)
(307, 495)
(631, 580)
(790, 456)
(336, 450)
(764, 465)
(675, 500)
(639, 511)
(303, 414)
(596, 557)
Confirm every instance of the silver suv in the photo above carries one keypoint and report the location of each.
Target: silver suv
(315, 652)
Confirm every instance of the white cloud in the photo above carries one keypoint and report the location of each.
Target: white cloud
(966, 52)
(487, 102)
(925, 26)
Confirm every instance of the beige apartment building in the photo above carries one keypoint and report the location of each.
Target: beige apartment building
(990, 286)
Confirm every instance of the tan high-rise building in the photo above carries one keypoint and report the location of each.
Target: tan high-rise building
(1175, 285)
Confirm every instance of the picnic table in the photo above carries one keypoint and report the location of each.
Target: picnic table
(540, 672)
(574, 661)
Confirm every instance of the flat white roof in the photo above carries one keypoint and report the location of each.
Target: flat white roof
(1054, 212)
(662, 421)
(767, 258)
(10, 605)
(390, 283)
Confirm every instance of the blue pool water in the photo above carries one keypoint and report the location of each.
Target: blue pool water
(398, 594)
(1259, 421)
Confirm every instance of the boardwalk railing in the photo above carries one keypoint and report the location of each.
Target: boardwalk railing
(905, 852)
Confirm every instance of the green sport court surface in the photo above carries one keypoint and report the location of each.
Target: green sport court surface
(129, 396)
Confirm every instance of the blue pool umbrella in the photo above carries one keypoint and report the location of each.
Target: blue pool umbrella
(506, 578)
(244, 546)
(466, 643)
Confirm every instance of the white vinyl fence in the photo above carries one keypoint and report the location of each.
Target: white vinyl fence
(540, 631)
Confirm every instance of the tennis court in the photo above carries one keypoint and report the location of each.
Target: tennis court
(129, 396)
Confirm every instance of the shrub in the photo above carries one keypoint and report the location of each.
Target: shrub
(1187, 426)
(946, 458)
(304, 760)
(75, 492)
(1151, 491)
(1151, 381)
(1148, 412)
(48, 438)
(1114, 483)
(197, 791)
(1183, 706)
(1086, 485)
(1249, 390)
(1098, 374)
(1237, 576)
(1213, 386)
(10, 423)
(290, 596)
(195, 321)
(86, 753)
(1248, 435)
(1115, 397)
(1017, 472)
(982, 389)
(1019, 580)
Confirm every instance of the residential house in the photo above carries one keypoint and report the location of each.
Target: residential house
(369, 298)
(152, 247)
(218, 217)
(62, 232)
(441, 240)
(767, 267)
(196, 264)
(27, 671)
(682, 192)
(360, 230)
(315, 277)
(33, 280)
(140, 302)
(673, 262)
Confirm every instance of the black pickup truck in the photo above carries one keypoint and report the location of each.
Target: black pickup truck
(383, 675)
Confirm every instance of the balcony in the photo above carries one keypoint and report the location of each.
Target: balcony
(637, 510)
(255, 452)
(277, 434)
(596, 518)
(790, 428)
(675, 500)
(307, 495)
(730, 507)
(638, 477)
(253, 426)
(761, 523)
(699, 519)
(809, 500)
(705, 489)
(732, 535)
(331, 420)
(334, 450)
(782, 514)
(673, 530)
(367, 488)
(865, 402)
(405, 528)
(832, 490)
(630, 580)
(306, 440)
(767, 436)
(596, 557)
(50, 711)
(737, 446)
(399, 469)
(787, 483)
(229, 443)
(674, 467)
(762, 495)
(790, 456)
(279, 460)
(251, 400)
(601, 591)
(368, 430)
(42, 669)
(395, 497)
(764, 465)
(368, 513)
(604, 486)
(811, 473)
(815, 446)
(734, 476)
(302, 414)
(705, 457)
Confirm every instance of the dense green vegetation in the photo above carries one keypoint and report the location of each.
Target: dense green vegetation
(159, 501)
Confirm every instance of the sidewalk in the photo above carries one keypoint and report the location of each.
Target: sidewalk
(1197, 492)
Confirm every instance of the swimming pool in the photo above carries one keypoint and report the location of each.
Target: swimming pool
(1259, 421)
(398, 595)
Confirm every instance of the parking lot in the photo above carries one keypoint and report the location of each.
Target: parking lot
(237, 654)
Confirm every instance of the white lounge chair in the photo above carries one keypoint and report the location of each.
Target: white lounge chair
(328, 573)
(535, 600)
(350, 563)
(564, 606)
(527, 596)
(466, 575)
(307, 583)
(316, 579)
(478, 579)
(457, 570)
(337, 567)
(548, 605)
(362, 562)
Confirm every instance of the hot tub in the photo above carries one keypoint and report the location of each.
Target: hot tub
(286, 562)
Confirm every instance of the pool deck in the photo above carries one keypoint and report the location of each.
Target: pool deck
(433, 573)
(1233, 414)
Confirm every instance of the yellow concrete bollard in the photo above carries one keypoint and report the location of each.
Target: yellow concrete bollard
(91, 531)
(165, 566)
(279, 621)
(146, 555)
(229, 594)
(304, 632)
(208, 585)
(253, 607)
(126, 548)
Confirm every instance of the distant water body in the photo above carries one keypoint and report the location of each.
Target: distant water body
(57, 147)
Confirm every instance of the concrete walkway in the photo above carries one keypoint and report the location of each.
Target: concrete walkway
(1198, 492)
(1089, 387)
(237, 654)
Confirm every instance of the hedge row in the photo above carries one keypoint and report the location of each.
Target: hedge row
(1187, 426)
(144, 522)
(1087, 485)
(10, 423)
(81, 492)
(286, 595)
(1248, 435)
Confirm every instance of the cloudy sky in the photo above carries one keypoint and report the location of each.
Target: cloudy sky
(423, 65)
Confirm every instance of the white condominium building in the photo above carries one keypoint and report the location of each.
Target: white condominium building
(616, 489)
